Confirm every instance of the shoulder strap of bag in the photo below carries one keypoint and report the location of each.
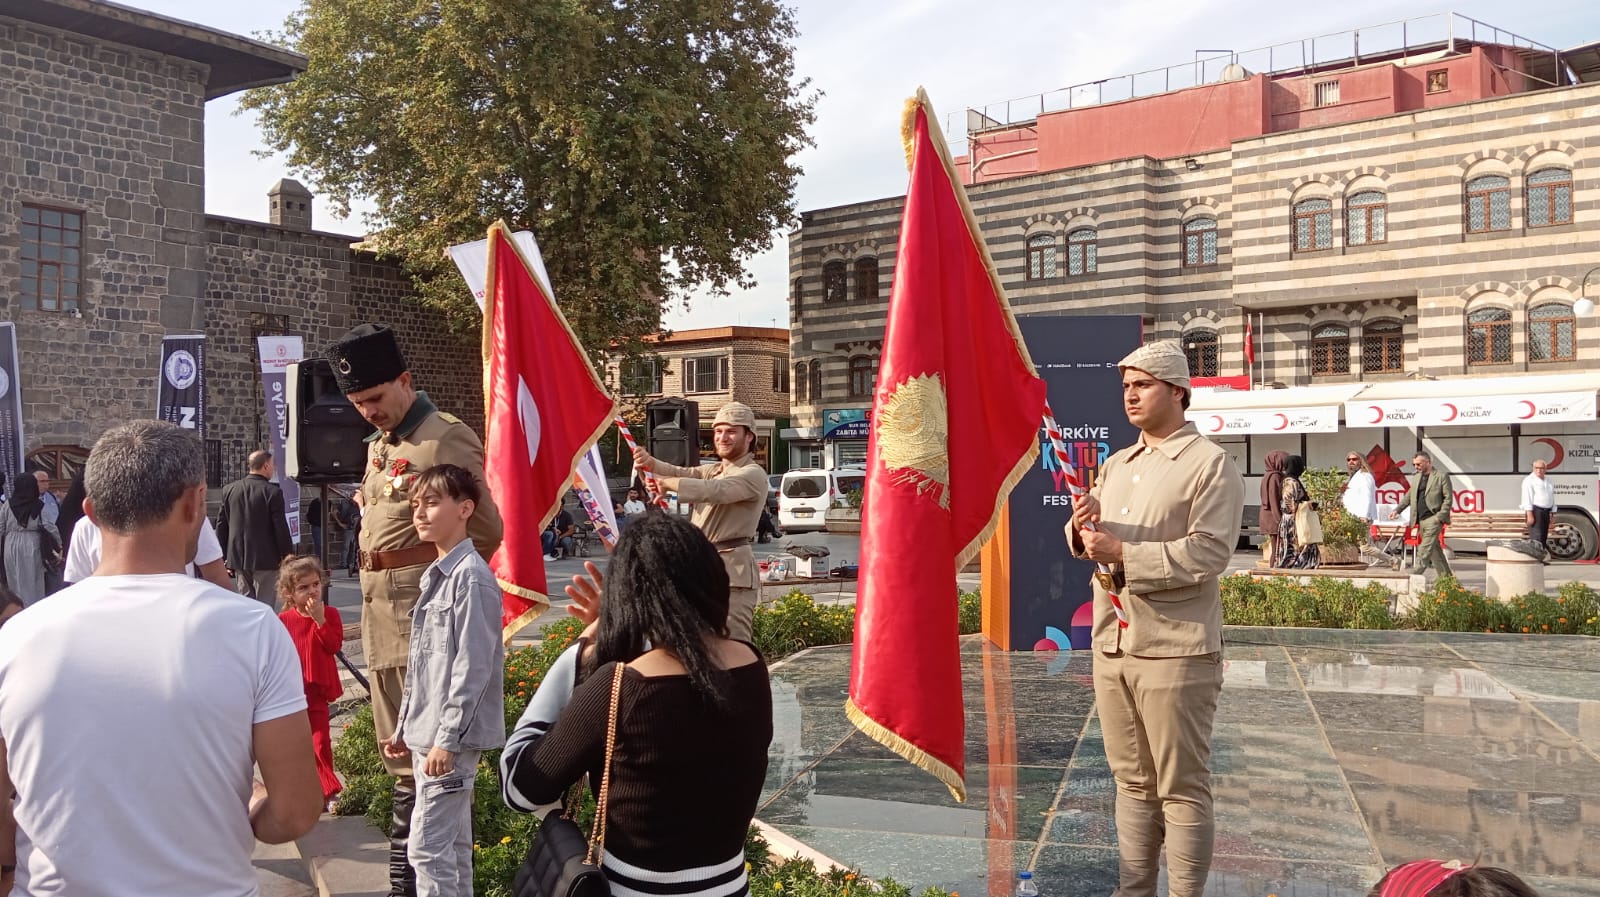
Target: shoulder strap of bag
(597, 838)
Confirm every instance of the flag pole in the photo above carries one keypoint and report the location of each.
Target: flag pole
(1102, 572)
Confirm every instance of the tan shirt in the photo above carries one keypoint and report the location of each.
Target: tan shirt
(728, 497)
(1176, 506)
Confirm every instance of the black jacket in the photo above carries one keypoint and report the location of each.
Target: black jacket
(251, 526)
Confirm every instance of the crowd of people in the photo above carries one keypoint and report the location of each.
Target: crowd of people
(200, 690)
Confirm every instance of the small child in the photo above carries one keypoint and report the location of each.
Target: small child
(453, 708)
(318, 634)
(1432, 878)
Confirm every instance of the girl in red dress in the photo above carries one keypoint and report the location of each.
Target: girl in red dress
(318, 635)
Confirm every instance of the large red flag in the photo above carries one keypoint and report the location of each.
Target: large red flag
(544, 406)
(955, 424)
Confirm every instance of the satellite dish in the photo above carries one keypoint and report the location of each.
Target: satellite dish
(1233, 71)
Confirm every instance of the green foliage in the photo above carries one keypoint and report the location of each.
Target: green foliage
(1326, 487)
(969, 618)
(801, 878)
(649, 145)
(1448, 606)
(854, 497)
(796, 621)
(1325, 602)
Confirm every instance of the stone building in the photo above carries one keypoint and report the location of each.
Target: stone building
(105, 245)
(1404, 210)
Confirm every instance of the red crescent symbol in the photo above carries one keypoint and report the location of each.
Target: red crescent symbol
(1453, 411)
(1283, 421)
(1216, 423)
(1377, 414)
(1532, 410)
(1556, 449)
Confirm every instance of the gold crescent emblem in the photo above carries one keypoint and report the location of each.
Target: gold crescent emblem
(913, 428)
(343, 365)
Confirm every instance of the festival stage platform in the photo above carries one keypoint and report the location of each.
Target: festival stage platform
(1337, 754)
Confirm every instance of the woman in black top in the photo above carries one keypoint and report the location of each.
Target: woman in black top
(693, 723)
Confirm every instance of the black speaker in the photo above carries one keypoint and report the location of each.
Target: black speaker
(326, 438)
(672, 431)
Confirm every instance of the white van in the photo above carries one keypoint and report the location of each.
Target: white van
(806, 495)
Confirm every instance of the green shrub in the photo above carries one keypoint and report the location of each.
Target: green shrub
(1325, 602)
(795, 622)
(969, 618)
(1448, 606)
(1326, 487)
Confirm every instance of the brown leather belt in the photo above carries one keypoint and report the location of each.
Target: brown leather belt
(730, 544)
(398, 557)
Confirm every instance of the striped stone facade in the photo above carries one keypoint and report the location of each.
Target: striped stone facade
(1413, 293)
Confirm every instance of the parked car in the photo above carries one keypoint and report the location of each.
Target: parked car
(805, 496)
(774, 483)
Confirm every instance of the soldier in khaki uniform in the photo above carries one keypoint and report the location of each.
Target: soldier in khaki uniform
(728, 497)
(411, 436)
(1166, 512)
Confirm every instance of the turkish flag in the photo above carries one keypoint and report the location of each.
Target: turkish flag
(1249, 342)
(955, 425)
(544, 406)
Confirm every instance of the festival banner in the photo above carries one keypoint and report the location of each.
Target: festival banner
(12, 440)
(181, 396)
(589, 482)
(277, 353)
(472, 260)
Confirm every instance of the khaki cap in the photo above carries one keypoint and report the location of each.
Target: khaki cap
(736, 413)
(1163, 360)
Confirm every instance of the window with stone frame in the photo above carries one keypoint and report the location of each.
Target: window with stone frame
(863, 376)
(1330, 350)
(1489, 336)
(1313, 225)
(1041, 256)
(1549, 197)
(706, 373)
(1199, 242)
(1200, 348)
(835, 282)
(642, 376)
(780, 374)
(1383, 347)
(816, 382)
(1083, 249)
(867, 279)
(800, 383)
(51, 253)
(1552, 333)
(1366, 218)
(1488, 204)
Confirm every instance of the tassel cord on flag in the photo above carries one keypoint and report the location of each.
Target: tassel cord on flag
(1075, 485)
(649, 478)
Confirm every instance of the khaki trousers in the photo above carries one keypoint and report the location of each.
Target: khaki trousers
(1430, 553)
(742, 613)
(387, 688)
(1156, 714)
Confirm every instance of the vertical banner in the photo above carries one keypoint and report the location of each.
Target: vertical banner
(589, 482)
(277, 353)
(1052, 602)
(181, 398)
(12, 441)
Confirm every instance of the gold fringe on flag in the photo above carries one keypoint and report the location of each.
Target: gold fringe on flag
(913, 754)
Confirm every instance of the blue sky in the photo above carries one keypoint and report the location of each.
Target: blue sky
(867, 58)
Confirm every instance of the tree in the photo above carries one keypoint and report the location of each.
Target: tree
(647, 144)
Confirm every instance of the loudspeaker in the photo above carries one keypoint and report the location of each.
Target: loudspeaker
(672, 431)
(326, 438)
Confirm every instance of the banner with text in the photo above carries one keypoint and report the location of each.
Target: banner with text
(277, 353)
(12, 441)
(1315, 419)
(1052, 603)
(472, 260)
(1451, 411)
(181, 398)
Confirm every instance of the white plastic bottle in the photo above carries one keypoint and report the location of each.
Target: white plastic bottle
(1025, 885)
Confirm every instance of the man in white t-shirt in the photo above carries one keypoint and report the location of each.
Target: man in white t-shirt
(83, 555)
(1538, 502)
(134, 704)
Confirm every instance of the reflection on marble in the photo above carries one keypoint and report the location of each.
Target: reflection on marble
(1335, 755)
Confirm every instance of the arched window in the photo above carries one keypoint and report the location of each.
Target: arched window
(1041, 256)
(1313, 225)
(1489, 336)
(835, 282)
(1488, 204)
(863, 376)
(1366, 218)
(867, 278)
(1330, 349)
(1549, 197)
(1552, 333)
(816, 382)
(1199, 242)
(800, 383)
(1383, 347)
(1200, 347)
(1083, 248)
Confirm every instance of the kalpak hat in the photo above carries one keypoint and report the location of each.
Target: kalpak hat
(1164, 361)
(367, 356)
(736, 414)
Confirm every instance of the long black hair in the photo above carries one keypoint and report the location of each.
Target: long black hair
(71, 508)
(666, 588)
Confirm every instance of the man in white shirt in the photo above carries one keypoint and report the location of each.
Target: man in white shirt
(1361, 490)
(134, 704)
(1538, 500)
(83, 555)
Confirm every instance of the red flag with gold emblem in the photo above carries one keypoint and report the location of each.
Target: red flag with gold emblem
(544, 406)
(955, 425)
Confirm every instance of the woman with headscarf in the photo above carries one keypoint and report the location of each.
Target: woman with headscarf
(1271, 505)
(1292, 493)
(71, 510)
(30, 544)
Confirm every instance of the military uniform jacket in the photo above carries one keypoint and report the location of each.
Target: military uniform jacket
(1176, 506)
(1435, 499)
(425, 437)
(728, 497)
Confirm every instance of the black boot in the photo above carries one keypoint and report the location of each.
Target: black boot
(402, 878)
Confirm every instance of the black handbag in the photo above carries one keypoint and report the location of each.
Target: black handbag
(560, 861)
